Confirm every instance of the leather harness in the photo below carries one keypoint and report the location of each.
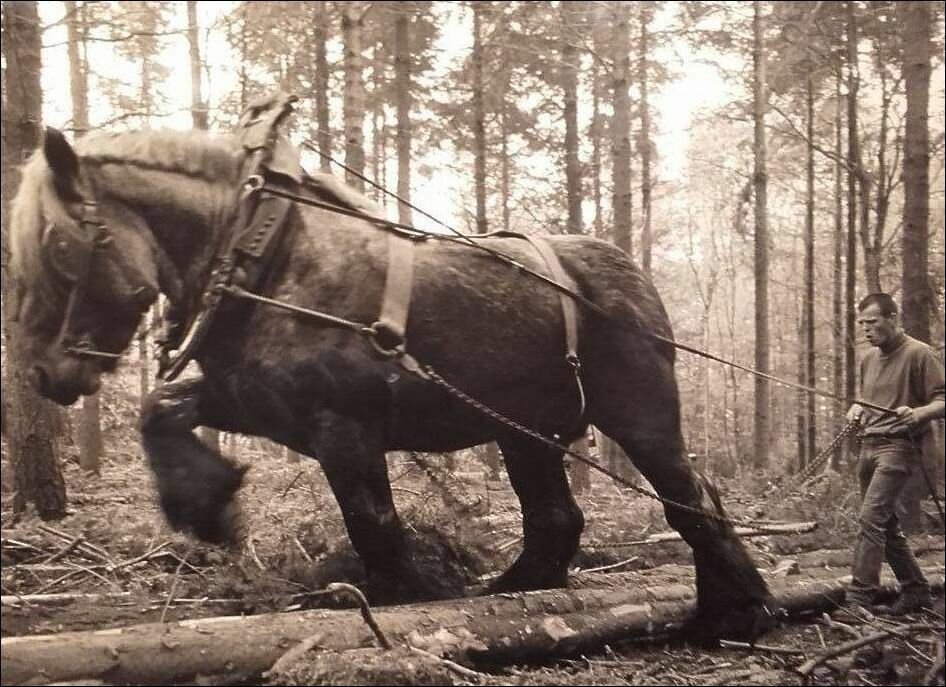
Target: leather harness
(261, 223)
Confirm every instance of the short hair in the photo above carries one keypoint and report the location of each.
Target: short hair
(884, 301)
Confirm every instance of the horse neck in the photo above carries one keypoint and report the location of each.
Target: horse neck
(186, 216)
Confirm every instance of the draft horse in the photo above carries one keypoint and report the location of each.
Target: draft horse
(163, 200)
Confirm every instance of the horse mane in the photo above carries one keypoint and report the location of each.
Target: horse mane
(215, 159)
(194, 154)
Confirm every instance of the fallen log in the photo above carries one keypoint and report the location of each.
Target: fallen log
(494, 630)
(743, 532)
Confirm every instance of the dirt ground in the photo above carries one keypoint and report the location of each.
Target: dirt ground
(115, 542)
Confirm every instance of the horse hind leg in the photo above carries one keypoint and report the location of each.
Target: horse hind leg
(551, 520)
(643, 417)
(196, 485)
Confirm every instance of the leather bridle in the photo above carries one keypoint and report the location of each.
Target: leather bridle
(72, 258)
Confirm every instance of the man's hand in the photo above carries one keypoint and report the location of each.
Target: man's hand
(908, 417)
(854, 413)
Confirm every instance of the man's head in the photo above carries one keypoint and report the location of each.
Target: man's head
(879, 319)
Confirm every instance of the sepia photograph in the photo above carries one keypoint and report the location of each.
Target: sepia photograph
(473, 342)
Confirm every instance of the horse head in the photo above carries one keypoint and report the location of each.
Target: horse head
(86, 273)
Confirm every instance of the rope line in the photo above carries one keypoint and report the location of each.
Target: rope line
(578, 298)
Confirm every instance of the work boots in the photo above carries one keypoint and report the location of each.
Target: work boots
(908, 602)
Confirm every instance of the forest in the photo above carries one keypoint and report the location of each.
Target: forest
(766, 164)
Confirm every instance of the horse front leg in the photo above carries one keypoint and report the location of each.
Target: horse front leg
(352, 456)
(195, 484)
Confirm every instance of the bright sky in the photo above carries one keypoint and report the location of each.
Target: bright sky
(439, 192)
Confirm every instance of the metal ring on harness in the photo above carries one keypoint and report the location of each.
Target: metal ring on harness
(254, 182)
(385, 339)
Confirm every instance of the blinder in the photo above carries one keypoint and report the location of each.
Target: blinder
(71, 257)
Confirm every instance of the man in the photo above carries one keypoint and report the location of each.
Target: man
(903, 374)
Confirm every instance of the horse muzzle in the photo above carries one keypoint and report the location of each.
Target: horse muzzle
(65, 382)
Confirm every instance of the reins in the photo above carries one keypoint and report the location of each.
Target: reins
(578, 298)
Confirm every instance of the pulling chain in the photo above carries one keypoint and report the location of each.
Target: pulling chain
(428, 372)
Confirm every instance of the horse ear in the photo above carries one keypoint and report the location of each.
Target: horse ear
(62, 160)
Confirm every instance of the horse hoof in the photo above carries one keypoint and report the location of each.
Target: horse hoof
(746, 623)
(515, 580)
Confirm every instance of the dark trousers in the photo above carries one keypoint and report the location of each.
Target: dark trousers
(884, 469)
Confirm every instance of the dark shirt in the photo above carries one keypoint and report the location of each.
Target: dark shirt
(908, 375)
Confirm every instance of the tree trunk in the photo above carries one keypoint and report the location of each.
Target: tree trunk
(761, 264)
(505, 181)
(621, 127)
(646, 148)
(32, 423)
(801, 417)
(198, 106)
(479, 122)
(320, 29)
(354, 100)
(78, 69)
(612, 456)
(917, 295)
(850, 332)
(569, 75)
(496, 630)
(378, 128)
(91, 446)
(809, 319)
(837, 321)
(596, 148)
(90, 429)
(402, 75)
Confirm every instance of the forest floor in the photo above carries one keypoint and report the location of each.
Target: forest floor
(115, 543)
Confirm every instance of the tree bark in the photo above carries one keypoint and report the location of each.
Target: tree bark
(621, 127)
(646, 145)
(198, 106)
(917, 295)
(354, 100)
(90, 429)
(809, 319)
(596, 148)
(32, 423)
(837, 300)
(323, 136)
(569, 79)
(850, 332)
(402, 75)
(485, 630)
(479, 122)
(761, 262)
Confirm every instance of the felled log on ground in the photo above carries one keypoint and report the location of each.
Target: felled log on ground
(782, 528)
(838, 558)
(488, 630)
